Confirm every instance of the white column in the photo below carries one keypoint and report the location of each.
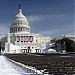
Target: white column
(8, 38)
(17, 29)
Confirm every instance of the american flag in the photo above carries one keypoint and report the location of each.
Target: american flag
(21, 38)
(17, 38)
(31, 39)
(27, 38)
(24, 38)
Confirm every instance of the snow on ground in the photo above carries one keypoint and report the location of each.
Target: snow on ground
(8, 68)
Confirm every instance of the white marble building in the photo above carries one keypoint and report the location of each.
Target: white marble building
(20, 39)
(69, 36)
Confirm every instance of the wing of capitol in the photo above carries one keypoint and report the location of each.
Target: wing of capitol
(20, 40)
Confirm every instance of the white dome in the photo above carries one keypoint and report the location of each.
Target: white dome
(20, 16)
(19, 23)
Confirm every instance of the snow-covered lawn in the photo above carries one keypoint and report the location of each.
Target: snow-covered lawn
(8, 68)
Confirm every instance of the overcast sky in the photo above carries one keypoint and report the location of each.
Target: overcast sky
(46, 17)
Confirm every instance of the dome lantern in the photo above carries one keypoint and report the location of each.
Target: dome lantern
(19, 6)
(20, 10)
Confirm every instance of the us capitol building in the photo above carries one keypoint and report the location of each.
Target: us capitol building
(20, 40)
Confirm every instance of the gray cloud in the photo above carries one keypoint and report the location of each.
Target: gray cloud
(52, 25)
(3, 30)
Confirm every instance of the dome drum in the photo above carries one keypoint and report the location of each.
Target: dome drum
(19, 29)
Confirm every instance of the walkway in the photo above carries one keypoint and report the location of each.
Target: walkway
(8, 68)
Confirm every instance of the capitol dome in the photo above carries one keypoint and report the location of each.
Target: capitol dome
(19, 23)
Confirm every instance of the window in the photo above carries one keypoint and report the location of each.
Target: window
(36, 40)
